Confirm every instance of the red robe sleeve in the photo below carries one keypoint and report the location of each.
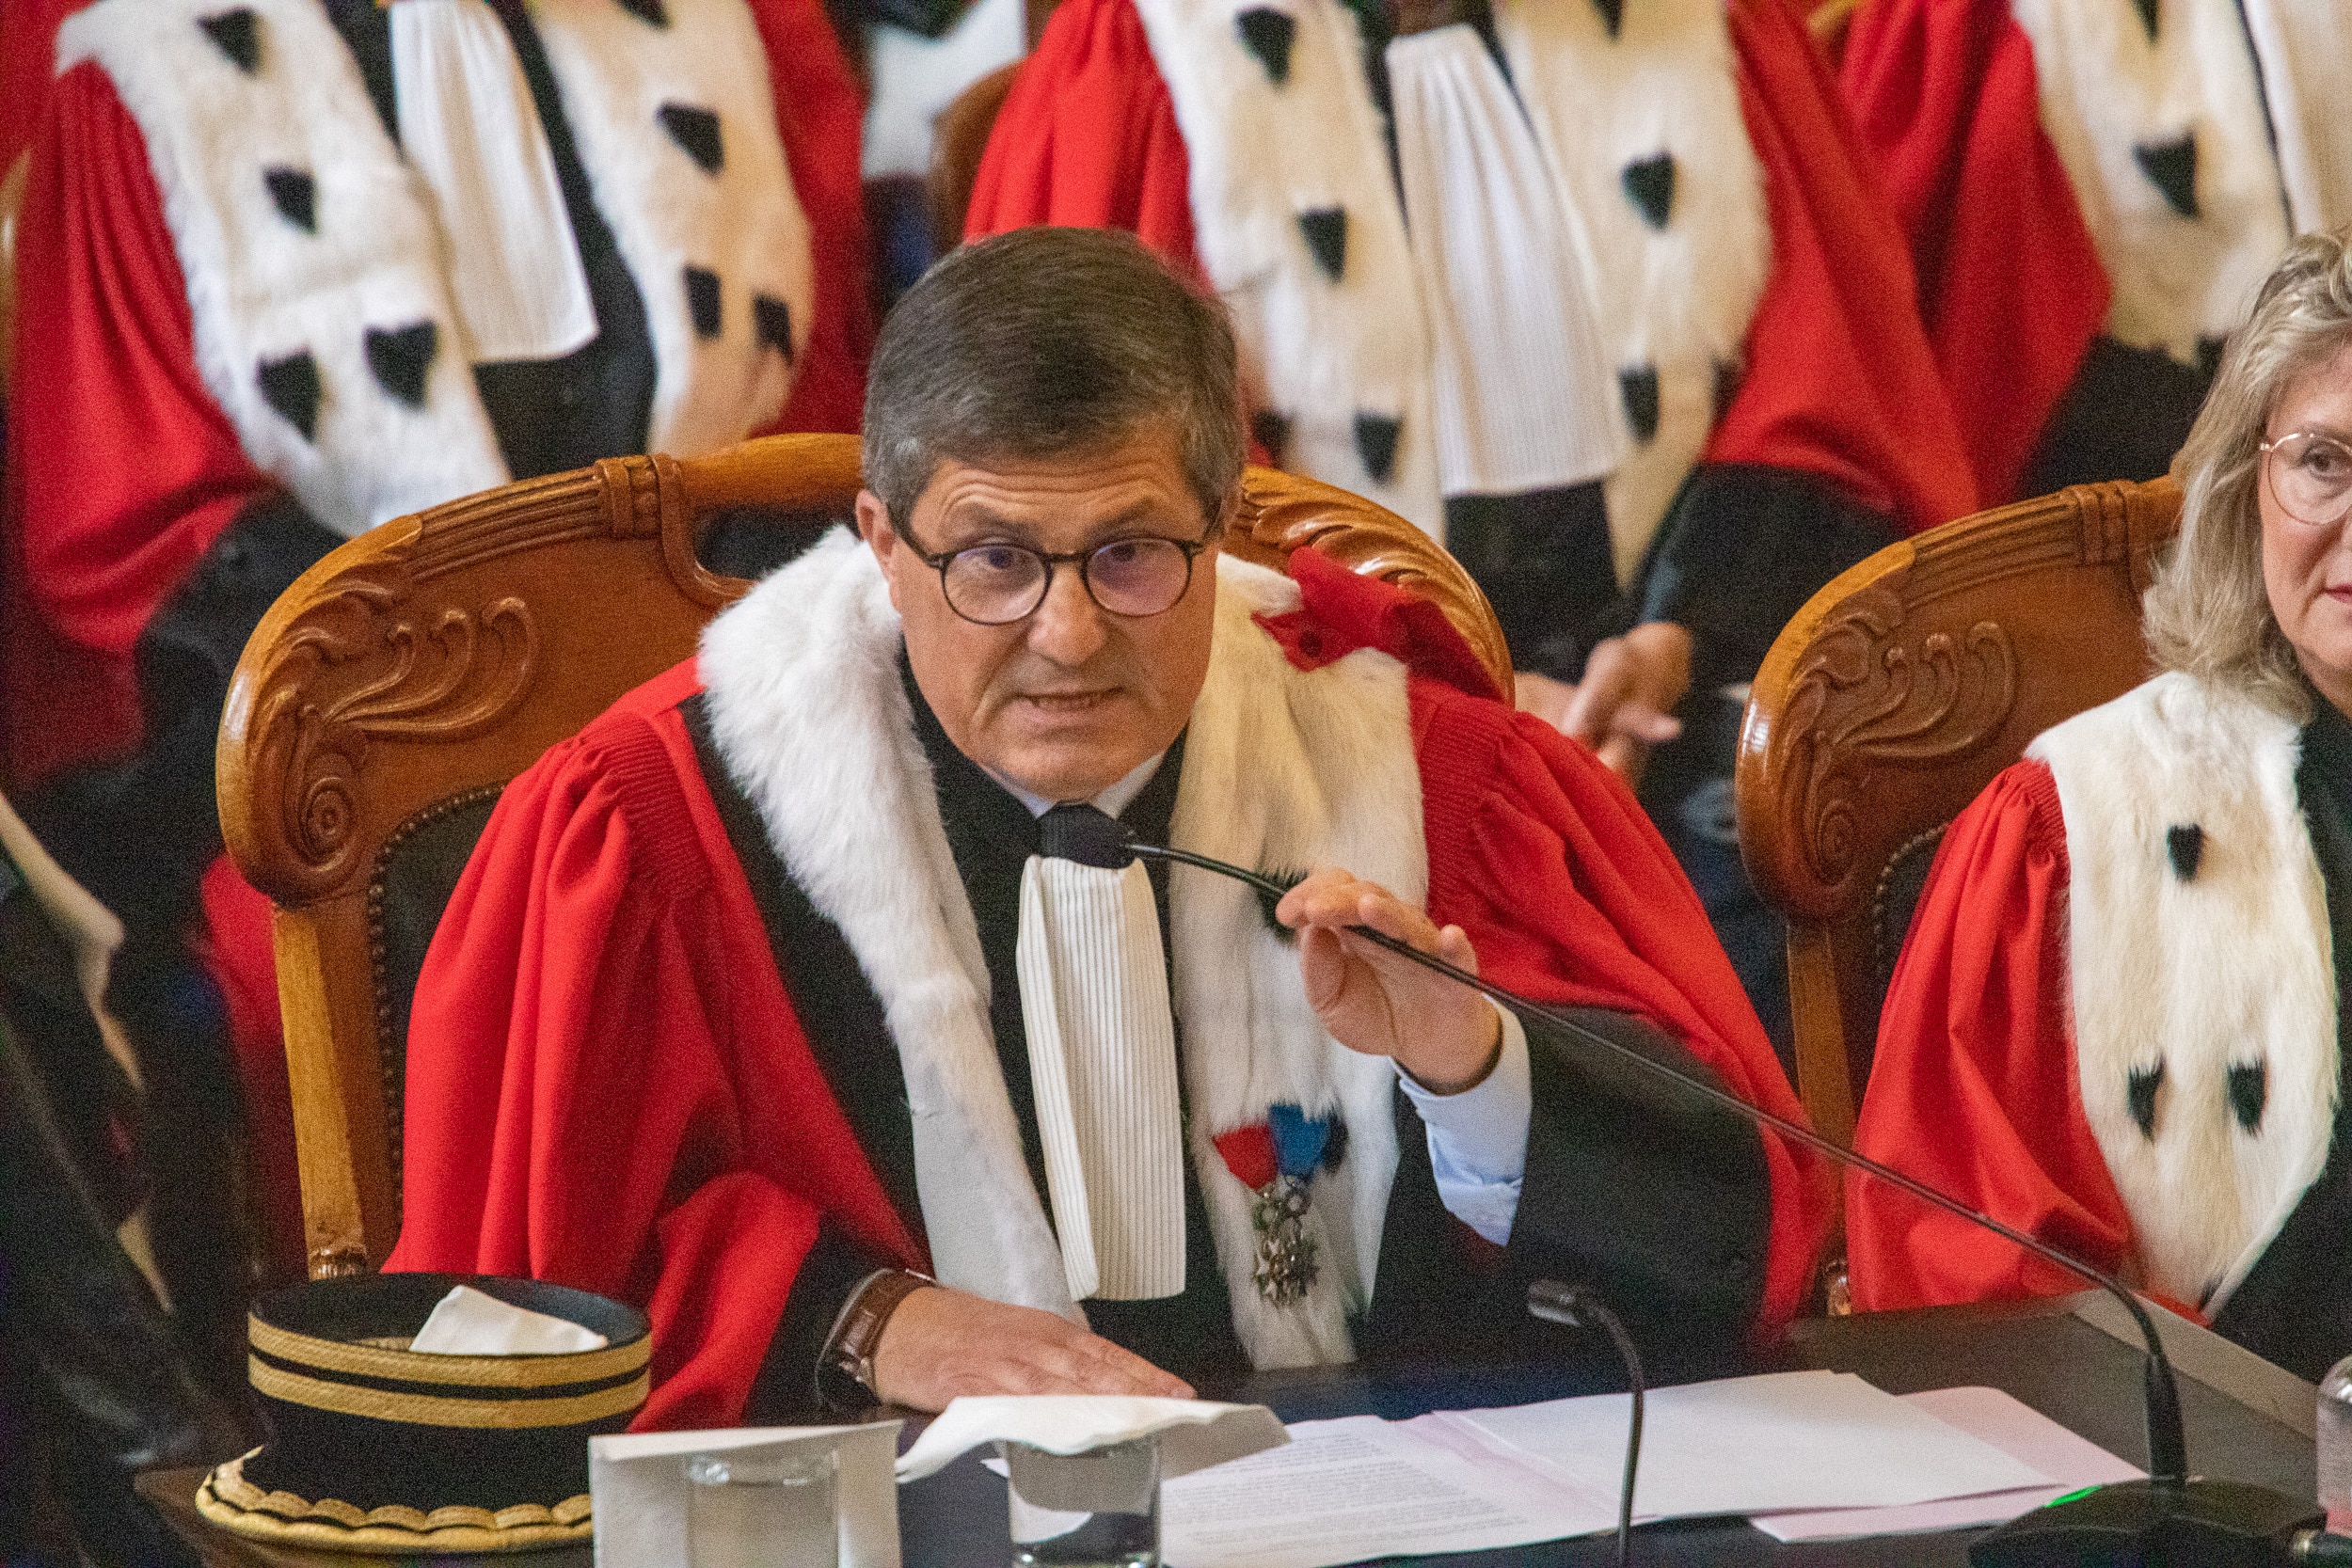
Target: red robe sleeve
(2011, 286)
(1088, 139)
(607, 1085)
(1551, 868)
(1841, 381)
(820, 112)
(1975, 1088)
(121, 468)
(1569, 896)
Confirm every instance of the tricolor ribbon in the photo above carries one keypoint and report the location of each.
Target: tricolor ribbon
(1274, 1159)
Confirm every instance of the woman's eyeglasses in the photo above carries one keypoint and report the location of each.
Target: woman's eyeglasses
(997, 583)
(2309, 475)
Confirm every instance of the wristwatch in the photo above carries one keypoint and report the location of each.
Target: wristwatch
(844, 1368)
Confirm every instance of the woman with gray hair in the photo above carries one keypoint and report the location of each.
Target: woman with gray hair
(2117, 1022)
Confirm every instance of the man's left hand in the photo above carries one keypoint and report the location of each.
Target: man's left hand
(1443, 1033)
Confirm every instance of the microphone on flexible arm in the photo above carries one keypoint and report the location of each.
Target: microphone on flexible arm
(2169, 1518)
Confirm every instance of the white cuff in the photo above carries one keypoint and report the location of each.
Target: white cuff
(1478, 1138)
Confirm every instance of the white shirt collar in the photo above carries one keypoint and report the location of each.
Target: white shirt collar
(1111, 802)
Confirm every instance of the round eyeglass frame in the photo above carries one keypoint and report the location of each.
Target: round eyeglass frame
(2266, 448)
(939, 560)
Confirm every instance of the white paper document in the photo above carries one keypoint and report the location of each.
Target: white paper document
(1478, 1479)
(2019, 1431)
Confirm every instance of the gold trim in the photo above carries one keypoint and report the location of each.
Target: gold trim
(235, 1504)
(484, 1372)
(434, 1411)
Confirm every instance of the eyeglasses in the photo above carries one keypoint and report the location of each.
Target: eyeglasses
(2310, 477)
(997, 583)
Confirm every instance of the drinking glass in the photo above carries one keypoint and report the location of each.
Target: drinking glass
(1100, 1509)
(762, 1508)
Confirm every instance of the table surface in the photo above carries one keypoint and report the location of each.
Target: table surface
(2072, 1358)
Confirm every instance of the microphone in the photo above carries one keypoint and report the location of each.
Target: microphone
(2169, 1518)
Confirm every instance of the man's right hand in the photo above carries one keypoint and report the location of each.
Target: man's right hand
(940, 1343)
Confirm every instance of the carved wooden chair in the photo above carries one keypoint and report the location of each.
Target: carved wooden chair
(1888, 705)
(386, 699)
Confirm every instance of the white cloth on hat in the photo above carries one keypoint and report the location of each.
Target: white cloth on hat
(1525, 398)
(1101, 1040)
(2307, 81)
(468, 127)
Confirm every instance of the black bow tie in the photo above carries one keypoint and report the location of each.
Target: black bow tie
(1074, 831)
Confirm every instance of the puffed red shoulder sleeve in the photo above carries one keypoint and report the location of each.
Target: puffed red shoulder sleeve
(1569, 896)
(1087, 138)
(2011, 286)
(1840, 382)
(820, 112)
(1974, 1088)
(600, 1094)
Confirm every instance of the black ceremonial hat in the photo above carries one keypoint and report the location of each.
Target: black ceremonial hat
(376, 1448)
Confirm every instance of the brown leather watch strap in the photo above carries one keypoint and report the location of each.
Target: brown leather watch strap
(848, 1353)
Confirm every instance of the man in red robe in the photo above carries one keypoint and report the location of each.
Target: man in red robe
(290, 268)
(1771, 411)
(819, 960)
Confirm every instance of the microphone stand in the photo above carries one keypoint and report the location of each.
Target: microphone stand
(2169, 1518)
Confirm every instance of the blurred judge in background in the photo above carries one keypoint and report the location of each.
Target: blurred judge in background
(290, 268)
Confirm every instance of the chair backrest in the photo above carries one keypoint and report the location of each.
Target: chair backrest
(959, 137)
(1887, 705)
(396, 688)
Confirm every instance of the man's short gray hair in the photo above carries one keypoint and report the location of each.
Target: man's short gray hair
(2208, 612)
(1046, 342)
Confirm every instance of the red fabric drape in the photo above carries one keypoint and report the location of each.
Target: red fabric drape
(820, 111)
(1839, 382)
(2011, 286)
(29, 39)
(1088, 139)
(1975, 1088)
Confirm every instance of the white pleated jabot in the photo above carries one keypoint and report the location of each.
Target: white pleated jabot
(468, 127)
(1525, 397)
(1101, 1040)
(2307, 80)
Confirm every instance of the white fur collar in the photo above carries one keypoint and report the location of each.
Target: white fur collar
(261, 287)
(1283, 769)
(2178, 981)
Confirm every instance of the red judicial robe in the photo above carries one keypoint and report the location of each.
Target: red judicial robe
(610, 1087)
(123, 471)
(2116, 1025)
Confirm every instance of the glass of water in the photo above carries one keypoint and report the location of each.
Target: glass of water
(762, 1508)
(1100, 1509)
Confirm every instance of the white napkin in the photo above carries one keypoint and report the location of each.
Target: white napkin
(638, 1485)
(1103, 1062)
(1194, 1433)
(468, 1322)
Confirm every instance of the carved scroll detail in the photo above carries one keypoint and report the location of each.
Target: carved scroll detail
(360, 667)
(1865, 694)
